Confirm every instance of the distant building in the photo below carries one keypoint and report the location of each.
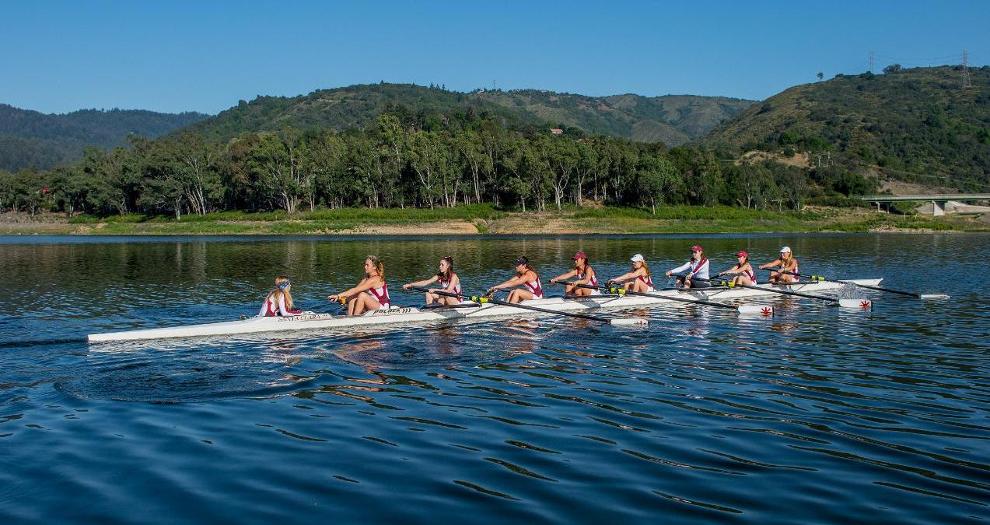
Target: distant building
(556, 131)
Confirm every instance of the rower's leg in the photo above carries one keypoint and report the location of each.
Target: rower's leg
(520, 296)
(430, 298)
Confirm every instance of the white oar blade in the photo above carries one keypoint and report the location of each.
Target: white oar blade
(934, 296)
(756, 309)
(629, 322)
(859, 304)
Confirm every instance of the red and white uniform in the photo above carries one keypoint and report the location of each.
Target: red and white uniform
(751, 274)
(381, 295)
(647, 280)
(592, 282)
(273, 308)
(445, 286)
(535, 287)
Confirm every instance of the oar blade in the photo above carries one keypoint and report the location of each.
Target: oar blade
(860, 303)
(933, 296)
(629, 322)
(756, 309)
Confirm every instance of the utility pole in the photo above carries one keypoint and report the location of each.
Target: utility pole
(966, 81)
(872, 60)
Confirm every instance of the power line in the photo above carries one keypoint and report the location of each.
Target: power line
(966, 81)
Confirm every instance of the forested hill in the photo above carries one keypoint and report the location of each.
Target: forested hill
(29, 139)
(672, 119)
(910, 124)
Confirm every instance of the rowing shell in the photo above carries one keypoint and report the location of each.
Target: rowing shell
(409, 315)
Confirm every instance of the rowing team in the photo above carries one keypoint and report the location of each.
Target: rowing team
(372, 292)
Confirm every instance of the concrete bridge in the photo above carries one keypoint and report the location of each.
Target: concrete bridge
(938, 200)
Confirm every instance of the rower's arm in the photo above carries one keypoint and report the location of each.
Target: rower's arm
(624, 277)
(282, 310)
(419, 284)
(363, 286)
(563, 276)
(515, 281)
(773, 264)
(732, 271)
(681, 268)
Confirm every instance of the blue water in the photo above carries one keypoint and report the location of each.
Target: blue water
(814, 416)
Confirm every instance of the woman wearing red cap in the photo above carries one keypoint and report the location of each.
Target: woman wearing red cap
(694, 273)
(638, 279)
(742, 272)
(585, 275)
(526, 279)
(787, 265)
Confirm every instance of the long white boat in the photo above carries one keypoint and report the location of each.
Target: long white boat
(410, 315)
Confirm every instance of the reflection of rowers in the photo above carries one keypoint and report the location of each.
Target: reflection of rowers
(585, 275)
(638, 279)
(446, 278)
(525, 285)
(369, 294)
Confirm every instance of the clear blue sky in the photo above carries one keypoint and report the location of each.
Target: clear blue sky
(205, 56)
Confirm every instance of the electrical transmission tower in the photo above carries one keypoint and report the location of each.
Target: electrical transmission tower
(872, 60)
(966, 81)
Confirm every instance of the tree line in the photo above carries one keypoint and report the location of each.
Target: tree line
(395, 163)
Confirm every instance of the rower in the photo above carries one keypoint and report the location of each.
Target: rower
(638, 279)
(787, 265)
(697, 266)
(448, 280)
(527, 281)
(279, 301)
(585, 275)
(742, 273)
(369, 294)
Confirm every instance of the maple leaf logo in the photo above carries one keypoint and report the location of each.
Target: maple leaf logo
(767, 311)
(865, 305)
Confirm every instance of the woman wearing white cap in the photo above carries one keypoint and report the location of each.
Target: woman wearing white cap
(697, 266)
(787, 265)
(638, 279)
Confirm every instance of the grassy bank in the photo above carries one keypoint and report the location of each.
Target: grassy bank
(485, 219)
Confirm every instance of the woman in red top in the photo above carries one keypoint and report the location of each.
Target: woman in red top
(585, 275)
(369, 294)
(527, 281)
(447, 281)
(279, 301)
(742, 272)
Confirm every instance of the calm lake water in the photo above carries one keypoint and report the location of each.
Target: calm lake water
(814, 416)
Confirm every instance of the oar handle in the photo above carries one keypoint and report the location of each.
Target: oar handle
(438, 292)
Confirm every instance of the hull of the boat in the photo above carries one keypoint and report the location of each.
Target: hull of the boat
(410, 315)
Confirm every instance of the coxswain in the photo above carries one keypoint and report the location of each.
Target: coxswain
(279, 300)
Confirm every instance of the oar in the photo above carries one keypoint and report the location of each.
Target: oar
(485, 299)
(861, 302)
(878, 288)
(746, 309)
(445, 294)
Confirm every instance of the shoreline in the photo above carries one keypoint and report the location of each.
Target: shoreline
(679, 220)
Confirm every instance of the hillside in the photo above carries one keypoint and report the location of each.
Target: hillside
(29, 139)
(917, 125)
(671, 119)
